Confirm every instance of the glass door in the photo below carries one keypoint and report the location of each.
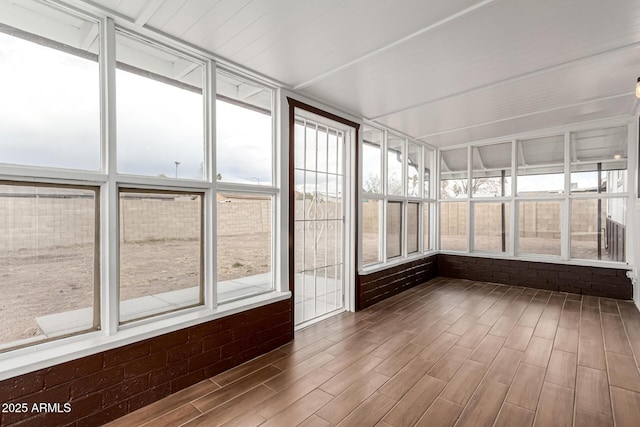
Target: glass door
(319, 286)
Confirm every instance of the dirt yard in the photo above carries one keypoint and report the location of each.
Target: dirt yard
(55, 280)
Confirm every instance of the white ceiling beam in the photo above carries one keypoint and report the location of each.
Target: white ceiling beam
(533, 113)
(149, 9)
(405, 39)
(90, 31)
(513, 79)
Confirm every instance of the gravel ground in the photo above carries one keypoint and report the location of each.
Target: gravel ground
(56, 280)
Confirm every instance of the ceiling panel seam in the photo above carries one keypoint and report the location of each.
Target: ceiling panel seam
(513, 79)
(519, 116)
(150, 8)
(398, 42)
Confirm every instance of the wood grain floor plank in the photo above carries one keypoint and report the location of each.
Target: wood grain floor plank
(461, 325)
(394, 344)
(566, 340)
(615, 338)
(233, 408)
(562, 368)
(233, 390)
(449, 364)
(503, 326)
(416, 402)
(526, 386)
(519, 338)
(245, 369)
(592, 391)
(441, 414)
(293, 374)
(179, 416)
(370, 412)
(511, 415)
(294, 391)
(397, 386)
(473, 336)
(590, 301)
(346, 402)
(546, 328)
(591, 354)
(487, 349)
(440, 346)
(623, 371)
(248, 419)
(505, 365)
(167, 404)
(587, 418)
(461, 387)
(300, 410)
(608, 306)
(394, 363)
(315, 421)
(555, 407)
(484, 405)
(626, 407)
(538, 352)
(344, 379)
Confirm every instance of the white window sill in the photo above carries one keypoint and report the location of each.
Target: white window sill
(39, 356)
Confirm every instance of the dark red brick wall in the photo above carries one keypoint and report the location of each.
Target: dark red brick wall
(586, 280)
(375, 287)
(105, 386)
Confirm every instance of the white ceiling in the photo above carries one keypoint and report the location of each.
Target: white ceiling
(444, 72)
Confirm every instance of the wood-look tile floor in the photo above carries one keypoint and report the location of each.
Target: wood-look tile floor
(449, 352)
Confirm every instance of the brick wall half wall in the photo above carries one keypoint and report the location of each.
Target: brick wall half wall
(586, 280)
(108, 385)
(377, 286)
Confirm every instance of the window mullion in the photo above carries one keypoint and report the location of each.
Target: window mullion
(109, 206)
(210, 208)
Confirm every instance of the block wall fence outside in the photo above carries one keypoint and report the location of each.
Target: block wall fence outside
(537, 219)
(60, 222)
(111, 384)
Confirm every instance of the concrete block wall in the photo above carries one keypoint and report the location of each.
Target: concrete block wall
(46, 222)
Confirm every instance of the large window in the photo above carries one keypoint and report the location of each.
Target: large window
(133, 193)
(396, 190)
(568, 200)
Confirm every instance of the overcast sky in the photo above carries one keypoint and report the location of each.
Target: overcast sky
(49, 116)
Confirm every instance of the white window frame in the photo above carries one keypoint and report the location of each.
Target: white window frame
(564, 198)
(405, 199)
(20, 361)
